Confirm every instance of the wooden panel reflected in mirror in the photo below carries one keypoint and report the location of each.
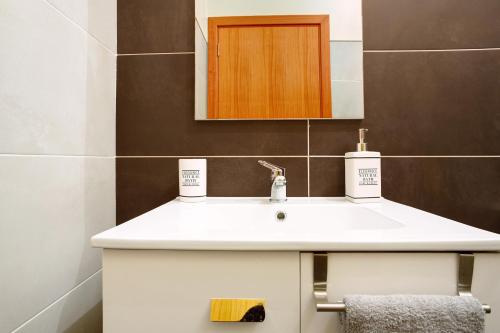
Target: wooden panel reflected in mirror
(269, 67)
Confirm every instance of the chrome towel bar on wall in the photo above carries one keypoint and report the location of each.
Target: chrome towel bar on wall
(320, 278)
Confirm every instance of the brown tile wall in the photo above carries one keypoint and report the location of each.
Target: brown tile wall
(432, 104)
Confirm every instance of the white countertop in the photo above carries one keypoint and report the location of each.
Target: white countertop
(312, 224)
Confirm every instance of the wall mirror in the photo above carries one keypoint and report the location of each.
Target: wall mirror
(278, 59)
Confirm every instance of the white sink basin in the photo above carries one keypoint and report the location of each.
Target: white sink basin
(262, 218)
(310, 224)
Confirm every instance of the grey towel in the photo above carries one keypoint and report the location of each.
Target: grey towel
(412, 314)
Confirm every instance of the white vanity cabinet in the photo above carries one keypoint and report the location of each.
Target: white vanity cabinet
(161, 269)
(170, 291)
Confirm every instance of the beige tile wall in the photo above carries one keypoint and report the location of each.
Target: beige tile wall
(57, 160)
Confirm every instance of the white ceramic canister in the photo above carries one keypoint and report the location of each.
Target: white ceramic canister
(192, 180)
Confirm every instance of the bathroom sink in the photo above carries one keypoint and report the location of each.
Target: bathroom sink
(304, 224)
(238, 220)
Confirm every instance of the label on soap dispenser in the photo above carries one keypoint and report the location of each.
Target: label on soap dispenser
(367, 176)
(362, 176)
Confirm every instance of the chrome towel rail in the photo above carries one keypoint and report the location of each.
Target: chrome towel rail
(320, 277)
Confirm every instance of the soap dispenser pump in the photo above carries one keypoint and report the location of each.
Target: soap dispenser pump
(362, 173)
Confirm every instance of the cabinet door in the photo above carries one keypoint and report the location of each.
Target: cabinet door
(170, 291)
(396, 273)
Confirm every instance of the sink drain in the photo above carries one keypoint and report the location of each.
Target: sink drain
(280, 216)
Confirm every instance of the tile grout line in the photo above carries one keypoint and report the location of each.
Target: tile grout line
(441, 156)
(56, 155)
(416, 156)
(436, 50)
(57, 300)
(308, 156)
(60, 12)
(218, 156)
(308, 161)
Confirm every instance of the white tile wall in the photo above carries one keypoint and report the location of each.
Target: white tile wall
(201, 15)
(57, 84)
(50, 206)
(98, 17)
(57, 160)
(78, 311)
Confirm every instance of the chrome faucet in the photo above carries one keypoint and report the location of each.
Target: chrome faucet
(278, 188)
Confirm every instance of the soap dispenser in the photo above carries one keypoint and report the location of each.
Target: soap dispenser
(362, 173)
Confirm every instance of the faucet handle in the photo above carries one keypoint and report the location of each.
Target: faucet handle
(276, 170)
